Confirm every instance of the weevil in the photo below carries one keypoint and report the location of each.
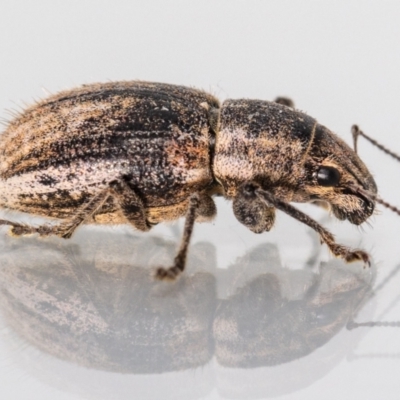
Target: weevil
(144, 153)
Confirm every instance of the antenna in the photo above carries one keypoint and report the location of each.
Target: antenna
(357, 132)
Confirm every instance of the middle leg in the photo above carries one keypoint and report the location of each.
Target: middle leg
(201, 207)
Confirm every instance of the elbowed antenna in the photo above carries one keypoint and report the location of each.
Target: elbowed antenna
(356, 132)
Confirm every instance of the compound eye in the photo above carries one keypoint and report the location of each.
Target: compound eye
(328, 176)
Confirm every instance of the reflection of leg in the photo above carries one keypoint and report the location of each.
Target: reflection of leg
(180, 259)
(66, 228)
(337, 249)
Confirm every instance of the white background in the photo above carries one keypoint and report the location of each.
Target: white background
(338, 60)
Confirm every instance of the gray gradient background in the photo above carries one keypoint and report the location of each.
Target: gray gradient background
(339, 61)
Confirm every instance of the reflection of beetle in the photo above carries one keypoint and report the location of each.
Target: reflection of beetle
(265, 323)
(106, 312)
(144, 153)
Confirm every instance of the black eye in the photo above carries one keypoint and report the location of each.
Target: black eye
(328, 176)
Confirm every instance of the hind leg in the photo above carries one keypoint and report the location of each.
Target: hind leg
(66, 228)
(129, 202)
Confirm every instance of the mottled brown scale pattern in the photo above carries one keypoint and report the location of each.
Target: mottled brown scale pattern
(143, 153)
(256, 136)
(154, 136)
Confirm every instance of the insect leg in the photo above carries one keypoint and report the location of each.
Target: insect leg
(252, 212)
(355, 131)
(337, 249)
(131, 205)
(66, 228)
(180, 259)
(286, 101)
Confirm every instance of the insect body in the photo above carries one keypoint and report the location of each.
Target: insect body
(145, 153)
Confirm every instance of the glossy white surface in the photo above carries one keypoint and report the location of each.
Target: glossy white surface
(77, 317)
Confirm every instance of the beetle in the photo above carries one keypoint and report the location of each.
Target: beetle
(145, 153)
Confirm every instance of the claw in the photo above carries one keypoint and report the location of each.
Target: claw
(167, 274)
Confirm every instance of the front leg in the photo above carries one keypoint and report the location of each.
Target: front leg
(338, 250)
(251, 211)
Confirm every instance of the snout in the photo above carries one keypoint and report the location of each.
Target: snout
(356, 204)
